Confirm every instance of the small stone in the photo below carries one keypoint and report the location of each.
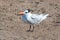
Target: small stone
(10, 4)
(50, 4)
(56, 4)
(7, 26)
(43, 10)
(0, 29)
(41, 0)
(0, 39)
(37, 2)
(10, 19)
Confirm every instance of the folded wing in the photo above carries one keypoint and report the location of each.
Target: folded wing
(38, 18)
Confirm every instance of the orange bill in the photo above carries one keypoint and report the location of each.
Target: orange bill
(21, 13)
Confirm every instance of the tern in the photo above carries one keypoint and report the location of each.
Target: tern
(32, 19)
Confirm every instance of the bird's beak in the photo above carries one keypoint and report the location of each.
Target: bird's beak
(21, 13)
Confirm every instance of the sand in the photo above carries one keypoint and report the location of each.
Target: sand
(13, 28)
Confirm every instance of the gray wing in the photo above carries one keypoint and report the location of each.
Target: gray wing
(38, 18)
(35, 18)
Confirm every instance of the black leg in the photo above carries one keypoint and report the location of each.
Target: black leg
(32, 29)
(29, 29)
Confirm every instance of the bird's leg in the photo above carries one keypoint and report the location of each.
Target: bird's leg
(29, 29)
(32, 29)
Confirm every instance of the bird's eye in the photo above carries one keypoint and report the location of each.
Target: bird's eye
(26, 12)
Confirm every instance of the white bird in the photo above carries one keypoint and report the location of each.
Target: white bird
(32, 19)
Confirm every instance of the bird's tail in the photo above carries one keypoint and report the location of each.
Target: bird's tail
(44, 17)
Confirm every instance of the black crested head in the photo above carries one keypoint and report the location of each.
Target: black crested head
(28, 10)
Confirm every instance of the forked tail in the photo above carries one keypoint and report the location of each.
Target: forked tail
(44, 17)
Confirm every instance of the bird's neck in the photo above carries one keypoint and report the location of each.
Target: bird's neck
(28, 14)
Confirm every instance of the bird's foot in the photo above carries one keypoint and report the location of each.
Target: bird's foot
(28, 30)
(31, 30)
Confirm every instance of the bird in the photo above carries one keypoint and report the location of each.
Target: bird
(32, 19)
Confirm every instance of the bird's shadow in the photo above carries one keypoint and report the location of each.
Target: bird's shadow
(29, 31)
